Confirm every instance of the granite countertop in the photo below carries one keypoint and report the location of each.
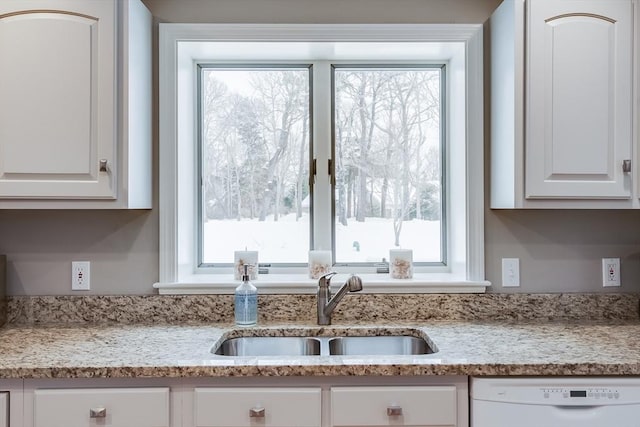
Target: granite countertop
(464, 348)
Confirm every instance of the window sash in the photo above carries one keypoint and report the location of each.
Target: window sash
(444, 196)
(201, 67)
(322, 151)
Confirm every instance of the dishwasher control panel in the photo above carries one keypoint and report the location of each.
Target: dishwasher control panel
(558, 391)
(562, 395)
(555, 401)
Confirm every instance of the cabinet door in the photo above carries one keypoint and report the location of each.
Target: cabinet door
(113, 407)
(4, 409)
(398, 406)
(57, 99)
(579, 98)
(265, 407)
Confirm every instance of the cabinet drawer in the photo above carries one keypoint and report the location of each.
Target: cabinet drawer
(229, 407)
(375, 406)
(123, 407)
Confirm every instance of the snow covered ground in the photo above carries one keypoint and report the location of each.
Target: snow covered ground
(287, 240)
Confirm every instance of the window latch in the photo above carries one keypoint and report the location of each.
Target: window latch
(312, 173)
(332, 175)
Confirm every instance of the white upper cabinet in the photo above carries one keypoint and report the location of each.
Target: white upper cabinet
(75, 104)
(579, 122)
(562, 104)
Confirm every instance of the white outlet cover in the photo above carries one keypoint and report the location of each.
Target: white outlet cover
(510, 272)
(610, 272)
(80, 275)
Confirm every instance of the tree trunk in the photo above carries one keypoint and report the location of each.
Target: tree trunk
(405, 174)
(302, 161)
(276, 204)
(350, 194)
(229, 199)
(239, 196)
(362, 183)
(273, 162)
(418, 183)
(340, 181)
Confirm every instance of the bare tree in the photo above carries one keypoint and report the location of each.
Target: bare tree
(385, 116)
(283, 96)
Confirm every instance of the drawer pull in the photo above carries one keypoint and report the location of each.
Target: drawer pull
(98, 413)
(256, 413)
(394, 411)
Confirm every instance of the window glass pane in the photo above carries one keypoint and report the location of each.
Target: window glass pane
(388, 151)
(255, 163)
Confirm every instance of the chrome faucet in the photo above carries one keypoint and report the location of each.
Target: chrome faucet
(326, 303)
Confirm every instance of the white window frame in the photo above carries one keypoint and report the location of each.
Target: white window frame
(181, 46)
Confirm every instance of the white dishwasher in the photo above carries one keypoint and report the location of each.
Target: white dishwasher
(555, 402)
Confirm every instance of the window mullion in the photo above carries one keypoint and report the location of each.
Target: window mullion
(321, 95)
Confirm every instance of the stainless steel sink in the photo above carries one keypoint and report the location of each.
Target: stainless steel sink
(269, 346)
(378, 345)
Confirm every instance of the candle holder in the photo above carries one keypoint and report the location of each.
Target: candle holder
(401, 263)
(319, 263)
(249, 258)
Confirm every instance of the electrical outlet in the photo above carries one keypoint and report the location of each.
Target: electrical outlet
(510, 272)
(610, 272)
(80, 273)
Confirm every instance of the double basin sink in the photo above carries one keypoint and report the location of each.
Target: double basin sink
(372, 345)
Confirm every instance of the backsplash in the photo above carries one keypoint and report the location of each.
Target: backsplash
(302, 308)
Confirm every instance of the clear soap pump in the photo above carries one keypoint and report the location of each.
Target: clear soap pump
(246, 301)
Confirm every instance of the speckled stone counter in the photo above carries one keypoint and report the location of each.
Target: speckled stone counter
(464, 348)
(302, 308)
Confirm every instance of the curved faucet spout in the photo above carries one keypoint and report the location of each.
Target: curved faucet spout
(327, 303)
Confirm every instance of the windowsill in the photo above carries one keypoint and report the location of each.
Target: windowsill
(301, 284)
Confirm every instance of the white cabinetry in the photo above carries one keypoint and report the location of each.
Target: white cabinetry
(240, 402)
(11, 403)
(4, 409)
(387, 406)
(268, 407)
(115, 407)
(75, 104)
(326, 402)
(562, 103)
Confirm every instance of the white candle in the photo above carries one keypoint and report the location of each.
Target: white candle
(401, 263)
(245, 257)
(319, 263)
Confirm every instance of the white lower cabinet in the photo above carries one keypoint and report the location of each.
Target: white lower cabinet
(349, 401)
(4, 409)
(11, 403)
(386, 406)
(114, 407)
(268, 407)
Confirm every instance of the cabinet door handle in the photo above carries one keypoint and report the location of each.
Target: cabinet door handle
(98, 413)
(394, 411)
(256, 413)
(626, 166)
(103, 165)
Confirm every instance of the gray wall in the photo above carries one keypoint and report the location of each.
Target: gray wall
(559, 251)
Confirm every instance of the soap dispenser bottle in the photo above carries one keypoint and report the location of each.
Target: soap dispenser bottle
(246, 301)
